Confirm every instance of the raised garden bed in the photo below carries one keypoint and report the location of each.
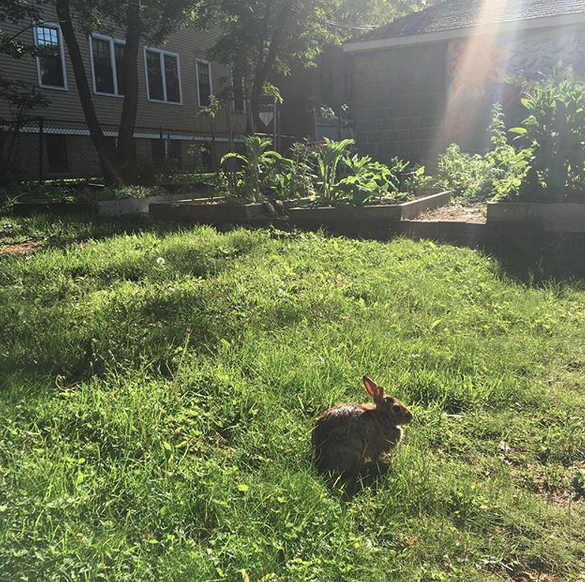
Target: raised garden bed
(206, 211)
(351, 220)
(116, 207)
(556, 217)
(125, 206)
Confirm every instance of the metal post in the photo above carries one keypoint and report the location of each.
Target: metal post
(274, 122)
(41, 148)
(213, 151)
(230, 104)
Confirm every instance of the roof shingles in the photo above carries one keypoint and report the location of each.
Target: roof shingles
(457, 14)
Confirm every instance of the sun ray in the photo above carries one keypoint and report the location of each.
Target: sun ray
(475, 79)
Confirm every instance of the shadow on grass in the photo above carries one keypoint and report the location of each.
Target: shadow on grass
(371, 478)
(542, 260)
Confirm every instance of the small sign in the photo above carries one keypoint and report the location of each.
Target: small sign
(266, 117)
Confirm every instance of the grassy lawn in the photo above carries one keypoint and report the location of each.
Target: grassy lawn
(158, 390)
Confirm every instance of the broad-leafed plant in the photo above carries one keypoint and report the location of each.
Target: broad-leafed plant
(554, 133)
(256, 176)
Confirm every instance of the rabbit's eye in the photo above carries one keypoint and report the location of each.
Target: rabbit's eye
(396, 409)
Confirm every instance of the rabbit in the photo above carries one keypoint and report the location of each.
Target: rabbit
(350, 436)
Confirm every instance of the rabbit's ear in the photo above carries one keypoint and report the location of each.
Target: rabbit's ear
(373, 389)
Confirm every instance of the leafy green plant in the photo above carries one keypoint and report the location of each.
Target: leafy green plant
(343, 177)
(509, 165)
(417, 181)
(296, 177)
(467, 175)
(370, 180)
(498, 173)
(554, 133)
(257, 176)
(330, 158)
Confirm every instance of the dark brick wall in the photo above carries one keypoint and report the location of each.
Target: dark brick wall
(399, 102)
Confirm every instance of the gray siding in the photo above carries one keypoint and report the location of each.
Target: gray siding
(399, 102)
(190, 44)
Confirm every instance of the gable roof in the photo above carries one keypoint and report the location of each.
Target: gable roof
(456, 14)
(453, 16)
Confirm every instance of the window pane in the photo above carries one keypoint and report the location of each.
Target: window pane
(204, 84)
(172, 79)
(102, 66)
(57, 154)
(119, 50)
(50, 63)
(155, 81)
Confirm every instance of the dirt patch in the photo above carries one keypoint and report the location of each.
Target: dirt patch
(22, 249)
(475, 213)
(536, 577)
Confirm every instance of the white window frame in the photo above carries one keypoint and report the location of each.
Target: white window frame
(56, 27)
(244, 110)
(208, 63)
(161, 54)
(113, 41)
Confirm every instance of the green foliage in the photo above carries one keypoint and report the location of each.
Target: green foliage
(159, 390)
(259, 172)
(331, 155)
(298, 179)
(469, 176)
(554, 133)
(368, 180)
(416, 181)
(509, 166)
(15, 12)
(497, 174)
(261, 37)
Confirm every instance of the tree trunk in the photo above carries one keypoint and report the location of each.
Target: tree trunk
(265, 65)
(125, 150)
(97, 137)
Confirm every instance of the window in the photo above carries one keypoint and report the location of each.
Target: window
(204, 87)
(50, 62)
(107, 56)
(239, 99)
(163, 76)
(57, 154)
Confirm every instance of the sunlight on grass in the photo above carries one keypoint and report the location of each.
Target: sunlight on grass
(156, 415)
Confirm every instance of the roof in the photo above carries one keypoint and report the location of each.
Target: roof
(452, 15)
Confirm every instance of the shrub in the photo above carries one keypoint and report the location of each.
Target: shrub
(498, 173)
(554, 134)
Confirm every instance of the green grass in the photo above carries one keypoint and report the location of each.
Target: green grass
(155, 415)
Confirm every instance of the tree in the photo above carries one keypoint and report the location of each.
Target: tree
(261, 37)
(153, 20)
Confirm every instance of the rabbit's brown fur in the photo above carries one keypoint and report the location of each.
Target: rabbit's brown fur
(349, 436)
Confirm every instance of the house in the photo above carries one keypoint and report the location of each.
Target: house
(311, 92)
(431, 79)
(175, 82)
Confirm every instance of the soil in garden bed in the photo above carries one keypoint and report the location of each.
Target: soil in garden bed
(475, 213)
